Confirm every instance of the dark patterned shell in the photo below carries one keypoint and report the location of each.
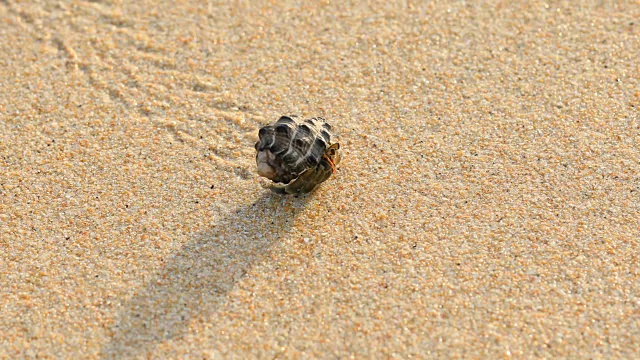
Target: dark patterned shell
(290, 146)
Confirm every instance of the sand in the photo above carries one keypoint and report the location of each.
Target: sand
(487, 204)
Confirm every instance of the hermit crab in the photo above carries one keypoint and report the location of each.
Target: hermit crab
(297, 153)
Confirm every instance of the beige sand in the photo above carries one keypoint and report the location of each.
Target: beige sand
(487, 204)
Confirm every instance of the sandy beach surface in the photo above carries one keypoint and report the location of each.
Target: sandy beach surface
(487, 204)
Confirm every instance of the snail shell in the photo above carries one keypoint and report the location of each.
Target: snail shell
(291, 146)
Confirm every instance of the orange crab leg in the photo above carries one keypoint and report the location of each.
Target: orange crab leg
(333, 166)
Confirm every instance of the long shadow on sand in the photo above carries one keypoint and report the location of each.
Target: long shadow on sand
(196, 279)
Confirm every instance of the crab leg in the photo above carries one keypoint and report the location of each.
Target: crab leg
(333, 166)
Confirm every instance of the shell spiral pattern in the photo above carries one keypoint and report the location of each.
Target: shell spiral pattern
(291, 147)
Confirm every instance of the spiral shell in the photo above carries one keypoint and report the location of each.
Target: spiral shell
(291, 146)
